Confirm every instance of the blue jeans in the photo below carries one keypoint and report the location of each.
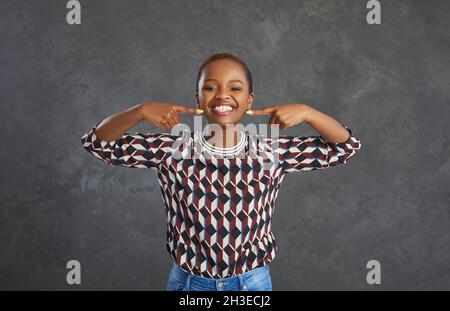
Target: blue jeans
(257, 279)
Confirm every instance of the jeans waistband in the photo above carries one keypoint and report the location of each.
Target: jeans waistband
(235, 278)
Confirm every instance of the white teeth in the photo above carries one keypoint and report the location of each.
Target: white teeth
(223, 108)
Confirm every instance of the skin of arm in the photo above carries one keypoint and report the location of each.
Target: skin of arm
(115, 125)
(164, 115)
(329, 128)
(290, 114)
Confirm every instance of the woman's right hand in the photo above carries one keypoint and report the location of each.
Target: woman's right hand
(165, 115)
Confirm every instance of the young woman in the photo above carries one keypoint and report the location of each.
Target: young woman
(219, 203)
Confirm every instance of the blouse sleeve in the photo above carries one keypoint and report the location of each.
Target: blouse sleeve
(134, 150)
(306, 153)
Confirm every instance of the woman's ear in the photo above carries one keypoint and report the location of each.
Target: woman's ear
(196, 100)
(250, 100)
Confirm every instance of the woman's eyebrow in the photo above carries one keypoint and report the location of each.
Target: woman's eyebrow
(235, 80)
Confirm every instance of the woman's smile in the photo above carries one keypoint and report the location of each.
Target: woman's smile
(222, 108)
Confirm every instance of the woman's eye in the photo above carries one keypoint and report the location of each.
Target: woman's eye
(211, 88)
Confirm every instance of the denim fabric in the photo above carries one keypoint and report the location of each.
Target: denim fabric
(257, 279)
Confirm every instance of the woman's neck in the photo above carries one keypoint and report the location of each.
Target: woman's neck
(226, 138)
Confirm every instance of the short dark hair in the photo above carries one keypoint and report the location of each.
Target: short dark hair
(229, 56)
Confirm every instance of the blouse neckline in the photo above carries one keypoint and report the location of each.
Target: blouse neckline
(223, 150)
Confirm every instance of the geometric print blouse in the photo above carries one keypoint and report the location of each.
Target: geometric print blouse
(219, 204)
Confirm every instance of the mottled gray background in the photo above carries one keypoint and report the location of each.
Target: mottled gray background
(388, 83)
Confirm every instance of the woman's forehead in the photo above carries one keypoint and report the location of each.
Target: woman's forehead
(219, 70)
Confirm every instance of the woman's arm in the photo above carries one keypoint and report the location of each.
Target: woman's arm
(113, 127)
(327, 127)
(109, 142)
(287, 115)
(335, 145)
(165, 115)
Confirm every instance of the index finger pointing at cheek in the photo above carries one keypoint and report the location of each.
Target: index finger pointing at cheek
(188, 110)
(263, 111)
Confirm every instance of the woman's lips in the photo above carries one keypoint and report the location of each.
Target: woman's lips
(223, 109)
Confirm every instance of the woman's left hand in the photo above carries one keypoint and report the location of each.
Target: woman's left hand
(285, 115)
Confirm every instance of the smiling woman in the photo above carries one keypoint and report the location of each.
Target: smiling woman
(224, 89)
(219, 209)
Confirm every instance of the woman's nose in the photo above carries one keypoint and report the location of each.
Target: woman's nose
(221, 93)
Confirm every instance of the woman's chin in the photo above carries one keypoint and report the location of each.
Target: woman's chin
(222, 121)
(221, 124)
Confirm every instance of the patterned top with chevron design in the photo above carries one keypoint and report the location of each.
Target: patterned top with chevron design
(219, 201)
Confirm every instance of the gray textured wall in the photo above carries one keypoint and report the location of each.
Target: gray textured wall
(387, 82)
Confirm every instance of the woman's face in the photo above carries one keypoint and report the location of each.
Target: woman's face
(224, 92)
